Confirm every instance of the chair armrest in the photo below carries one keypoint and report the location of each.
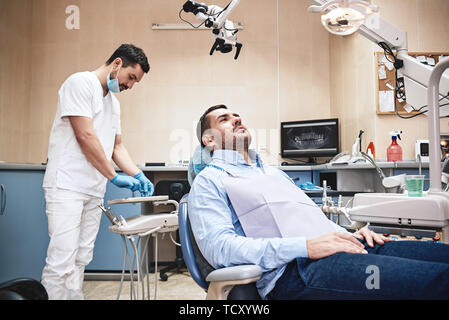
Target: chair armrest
(223, 280)
(240, 272)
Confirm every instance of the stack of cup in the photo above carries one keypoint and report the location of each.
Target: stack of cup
(415, 184)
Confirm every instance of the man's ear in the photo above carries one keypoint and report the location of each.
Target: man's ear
(118, 62)
(208, 140)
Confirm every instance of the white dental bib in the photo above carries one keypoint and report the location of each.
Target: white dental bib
(271, 206)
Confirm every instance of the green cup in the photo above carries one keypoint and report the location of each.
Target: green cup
(415, 184)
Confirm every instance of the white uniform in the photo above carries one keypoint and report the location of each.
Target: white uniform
(73, 187)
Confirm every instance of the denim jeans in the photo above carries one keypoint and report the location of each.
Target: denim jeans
(395, 270)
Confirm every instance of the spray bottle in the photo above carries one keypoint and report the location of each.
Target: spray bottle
(394, 151)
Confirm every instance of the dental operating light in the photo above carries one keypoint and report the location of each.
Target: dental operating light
(343, 17)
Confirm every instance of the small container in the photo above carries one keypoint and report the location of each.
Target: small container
(415, 185)
(371, 151)
(394, 151)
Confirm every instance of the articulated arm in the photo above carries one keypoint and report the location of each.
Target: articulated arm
(416, 74)
(424, 85)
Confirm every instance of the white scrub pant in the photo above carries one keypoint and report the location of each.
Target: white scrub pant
(73, 223)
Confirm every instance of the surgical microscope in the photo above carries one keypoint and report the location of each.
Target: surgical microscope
(216, 17)
(396, 212)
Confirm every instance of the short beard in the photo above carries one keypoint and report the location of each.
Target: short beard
(237, 143)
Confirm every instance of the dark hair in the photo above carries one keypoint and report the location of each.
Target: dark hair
(130, 55)
(204, 122)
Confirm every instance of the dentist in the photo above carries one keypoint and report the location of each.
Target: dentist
(85, 136)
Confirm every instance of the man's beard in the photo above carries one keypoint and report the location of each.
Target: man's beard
(236, 142)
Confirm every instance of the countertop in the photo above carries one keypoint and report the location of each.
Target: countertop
(360, 165)
(326, 166)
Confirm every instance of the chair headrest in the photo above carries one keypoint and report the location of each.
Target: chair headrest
(202, 156)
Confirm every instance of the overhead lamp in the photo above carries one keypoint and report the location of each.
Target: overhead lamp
(340, 17)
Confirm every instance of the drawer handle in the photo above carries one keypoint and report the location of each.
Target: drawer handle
(3, 200)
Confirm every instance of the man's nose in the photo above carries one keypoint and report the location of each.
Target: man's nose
(237, 121)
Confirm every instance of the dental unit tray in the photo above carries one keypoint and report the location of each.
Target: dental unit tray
(160, 222)
(144, 224)
(138, 199)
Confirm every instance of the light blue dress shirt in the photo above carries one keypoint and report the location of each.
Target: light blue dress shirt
(218, 232)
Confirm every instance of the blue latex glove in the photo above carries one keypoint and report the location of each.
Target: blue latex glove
(308, 186)
(122, 181)
(146, 188)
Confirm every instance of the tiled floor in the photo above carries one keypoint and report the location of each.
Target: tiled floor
(179, 286)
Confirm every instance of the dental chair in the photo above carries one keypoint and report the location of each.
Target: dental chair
(22, 289)
(231, 283)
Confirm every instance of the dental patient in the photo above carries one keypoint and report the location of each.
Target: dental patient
(244, 212)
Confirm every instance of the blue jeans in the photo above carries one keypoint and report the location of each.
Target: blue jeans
(395, 270)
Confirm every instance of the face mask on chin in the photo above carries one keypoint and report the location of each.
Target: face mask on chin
(113, 84)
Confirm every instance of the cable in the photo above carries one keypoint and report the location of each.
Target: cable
(399, 91)
(189, 22)
(124, 266)
(216, 15)
(446, 96)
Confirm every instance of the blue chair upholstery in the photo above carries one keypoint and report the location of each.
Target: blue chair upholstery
(204, 274)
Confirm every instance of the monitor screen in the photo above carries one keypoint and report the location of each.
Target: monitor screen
(311, 138)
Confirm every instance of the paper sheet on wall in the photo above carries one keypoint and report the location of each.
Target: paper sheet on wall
(382, 72)
(389, 65)
(422, 59)
(386, 101)
(382, 59)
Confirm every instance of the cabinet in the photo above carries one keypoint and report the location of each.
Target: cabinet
(23, 225)
(24, 232)
(300, 177)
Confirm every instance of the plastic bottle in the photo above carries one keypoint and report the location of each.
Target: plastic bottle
(394, 151)
(371, 151)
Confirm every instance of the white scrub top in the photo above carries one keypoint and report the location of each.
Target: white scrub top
(67, 168)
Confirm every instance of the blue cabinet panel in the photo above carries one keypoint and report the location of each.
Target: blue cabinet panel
(24, 231)
(304, 176)
(23, 225)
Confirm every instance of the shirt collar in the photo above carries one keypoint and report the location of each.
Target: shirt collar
(235, 157)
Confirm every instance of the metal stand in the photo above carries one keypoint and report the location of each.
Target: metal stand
(134, 291)
(141, 227)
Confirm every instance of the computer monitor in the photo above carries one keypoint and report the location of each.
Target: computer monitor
(310, 139)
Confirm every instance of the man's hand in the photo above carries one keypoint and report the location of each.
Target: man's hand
(370, 236)
(332, 243)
